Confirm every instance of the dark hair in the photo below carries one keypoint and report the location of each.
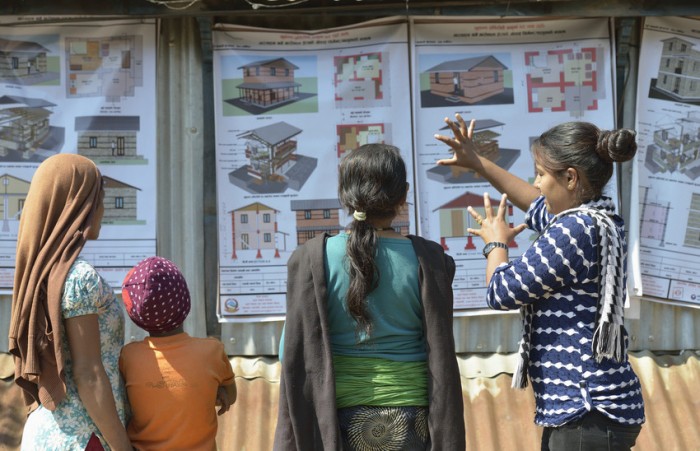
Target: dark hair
(586, 148)
(372, 180)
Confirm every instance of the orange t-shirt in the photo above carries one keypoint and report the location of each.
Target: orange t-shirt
(171, 383)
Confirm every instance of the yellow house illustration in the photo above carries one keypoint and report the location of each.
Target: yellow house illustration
(254, 227)
(14, 193)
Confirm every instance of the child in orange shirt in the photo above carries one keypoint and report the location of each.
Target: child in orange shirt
(173, 381)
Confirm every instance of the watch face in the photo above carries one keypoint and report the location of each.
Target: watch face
(491, 246)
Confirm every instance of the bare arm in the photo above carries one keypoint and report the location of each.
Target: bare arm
(225, 397)
(91, 380)
(520, 192)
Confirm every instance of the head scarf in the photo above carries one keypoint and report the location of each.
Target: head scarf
(156, 296)
(54, 224)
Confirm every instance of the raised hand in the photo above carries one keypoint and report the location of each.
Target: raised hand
(494, 227)
(461, 144)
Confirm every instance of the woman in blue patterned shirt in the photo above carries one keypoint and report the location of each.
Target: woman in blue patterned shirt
(569, 285)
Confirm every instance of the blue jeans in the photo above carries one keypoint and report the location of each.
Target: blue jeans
(593, 432)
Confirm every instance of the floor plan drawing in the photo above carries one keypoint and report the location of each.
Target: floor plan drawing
(110, 67)
(352, 136)
(359, 80)
(565, 79)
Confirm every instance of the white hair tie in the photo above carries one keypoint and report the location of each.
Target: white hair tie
(359, 215)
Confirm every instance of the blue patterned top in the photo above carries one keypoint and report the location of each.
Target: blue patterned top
(69, 427)
(559, 274)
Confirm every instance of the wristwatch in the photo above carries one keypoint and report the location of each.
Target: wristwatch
(491, 246)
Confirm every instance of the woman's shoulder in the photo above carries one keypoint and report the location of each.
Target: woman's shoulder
(82, 271)
(84, 290)
(313, 248)
(424, 244)
(576, 228)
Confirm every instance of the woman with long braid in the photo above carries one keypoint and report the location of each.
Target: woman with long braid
(368, 360)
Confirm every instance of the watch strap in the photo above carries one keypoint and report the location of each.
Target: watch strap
(493, 245)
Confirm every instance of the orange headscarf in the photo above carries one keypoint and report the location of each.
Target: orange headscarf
(54, 224)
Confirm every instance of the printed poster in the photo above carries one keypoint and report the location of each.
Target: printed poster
(668, 161)
(89, 90)
(288, 106)
(517, 79)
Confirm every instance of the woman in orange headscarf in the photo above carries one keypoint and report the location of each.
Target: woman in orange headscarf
(67, 327)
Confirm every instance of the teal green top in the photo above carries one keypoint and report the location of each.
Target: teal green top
(388, 368)
(395, 305)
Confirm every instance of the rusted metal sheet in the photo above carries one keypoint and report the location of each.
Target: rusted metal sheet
(497, 417)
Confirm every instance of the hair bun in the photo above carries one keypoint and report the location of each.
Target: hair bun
(616, 145)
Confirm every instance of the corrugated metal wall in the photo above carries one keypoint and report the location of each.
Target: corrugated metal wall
(187, 216)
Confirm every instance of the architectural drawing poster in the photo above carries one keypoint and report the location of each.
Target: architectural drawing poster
(288, 106)
(668, 162)
(89, 90)
(517, 79)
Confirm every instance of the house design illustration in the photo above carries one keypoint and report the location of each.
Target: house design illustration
(108, 138)
(352, 136)
(254, 227)
(22, 62)
(676, 147)
(653, 218)
(273, 164)
(402, 222)
(486, 139)
(268, 83)
(679, 70)
(315, 216)
(120, 202)
(455, 219)
(110, 67)
(14, 193)
(359, 80)
(565, 80)
(25, 133)
(467, 80)
(692, 231)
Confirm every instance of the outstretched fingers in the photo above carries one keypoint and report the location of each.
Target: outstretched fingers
(487, 206)
(503, 207)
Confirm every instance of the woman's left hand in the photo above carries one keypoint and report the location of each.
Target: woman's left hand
(494, 227)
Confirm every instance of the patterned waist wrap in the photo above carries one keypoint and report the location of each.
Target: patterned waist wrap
(369, 381)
